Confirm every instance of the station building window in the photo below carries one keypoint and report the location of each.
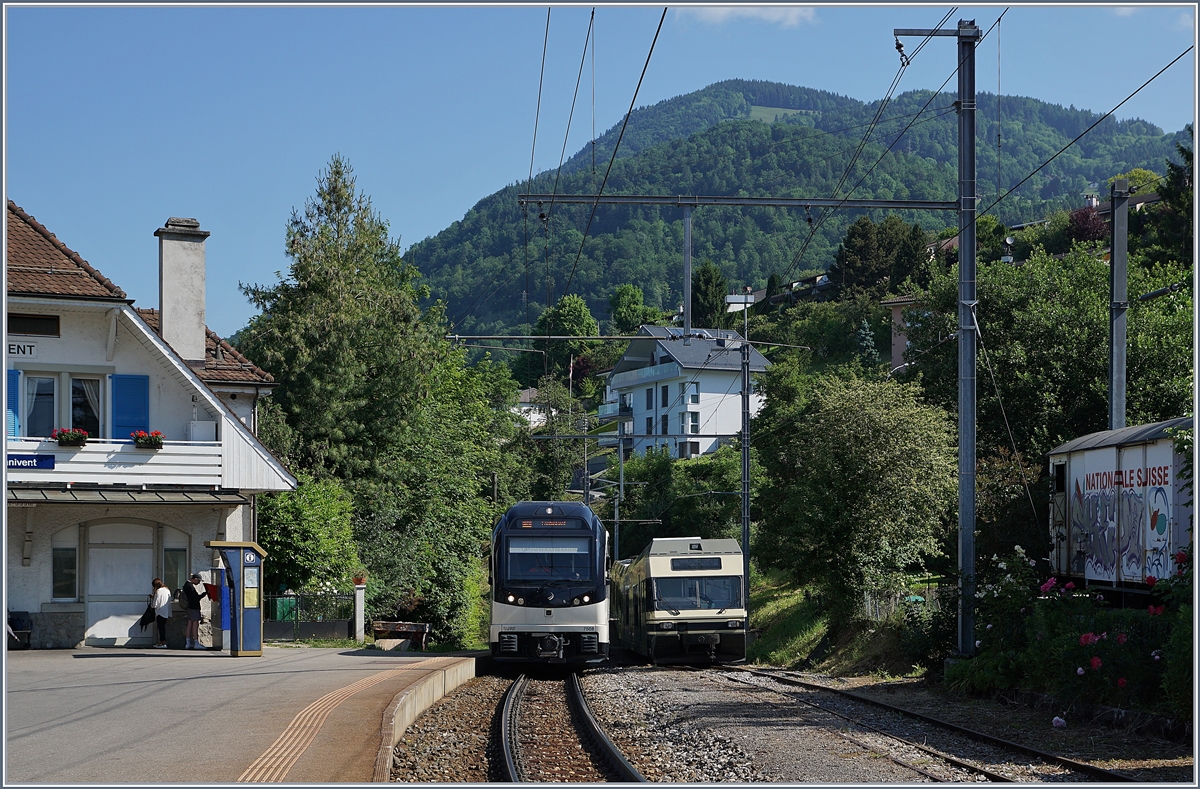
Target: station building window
(64, 548)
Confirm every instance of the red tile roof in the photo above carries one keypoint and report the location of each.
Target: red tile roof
(222, 362)
(38, 263)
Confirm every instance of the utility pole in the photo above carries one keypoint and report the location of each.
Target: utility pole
(688, 202)
(687, 270)
(968, 36)
(745, 301)
(620, 490)
(1118, 285)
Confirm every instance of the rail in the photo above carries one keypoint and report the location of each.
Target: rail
(1083, 767)
(610, 754)
(608, 749)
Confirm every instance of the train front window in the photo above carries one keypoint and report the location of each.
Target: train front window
(702, 592)
(544, 559)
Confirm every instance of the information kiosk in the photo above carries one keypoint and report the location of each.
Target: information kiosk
(243, 578)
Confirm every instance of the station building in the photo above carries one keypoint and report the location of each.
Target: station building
(88, 527)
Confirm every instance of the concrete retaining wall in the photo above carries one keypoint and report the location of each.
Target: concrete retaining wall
(409, 703)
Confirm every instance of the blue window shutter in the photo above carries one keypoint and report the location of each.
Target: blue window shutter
(12, 420)
(130, 405)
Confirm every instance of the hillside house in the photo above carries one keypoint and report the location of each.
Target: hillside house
(678, 392)
(89, 527)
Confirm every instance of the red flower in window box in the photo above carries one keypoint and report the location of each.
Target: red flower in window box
(70, 436)
(144, 440)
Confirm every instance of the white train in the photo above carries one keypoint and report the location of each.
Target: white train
(549, 594)
(681, 601)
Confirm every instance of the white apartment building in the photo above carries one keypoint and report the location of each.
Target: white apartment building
(680, 393)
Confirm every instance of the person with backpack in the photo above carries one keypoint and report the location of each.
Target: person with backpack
(192, 597)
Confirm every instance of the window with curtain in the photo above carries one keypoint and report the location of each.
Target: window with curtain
(85, 405)
(39, 406)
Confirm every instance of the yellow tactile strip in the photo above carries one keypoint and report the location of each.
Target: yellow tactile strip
(275, 762)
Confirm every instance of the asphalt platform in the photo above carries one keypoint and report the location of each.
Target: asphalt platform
(117, 715)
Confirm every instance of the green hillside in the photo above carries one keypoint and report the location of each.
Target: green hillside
(715, 142)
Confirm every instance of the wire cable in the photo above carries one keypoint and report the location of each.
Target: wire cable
(1103, 117)
(829, 212)
(996, 386)
(571, 114)
(616, 148)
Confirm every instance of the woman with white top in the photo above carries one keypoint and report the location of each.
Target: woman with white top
(161, 600)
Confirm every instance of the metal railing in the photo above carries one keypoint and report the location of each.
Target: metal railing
(310, 615)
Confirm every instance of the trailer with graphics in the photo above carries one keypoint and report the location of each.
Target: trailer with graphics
(1120, 507)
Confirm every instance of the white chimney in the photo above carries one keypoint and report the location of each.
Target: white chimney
(181, 288)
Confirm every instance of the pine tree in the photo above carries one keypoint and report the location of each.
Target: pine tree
(709, 288)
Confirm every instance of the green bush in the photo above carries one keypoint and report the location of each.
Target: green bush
(1080, 650)
(1177, 676)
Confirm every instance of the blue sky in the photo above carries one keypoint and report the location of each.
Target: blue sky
(118, 117)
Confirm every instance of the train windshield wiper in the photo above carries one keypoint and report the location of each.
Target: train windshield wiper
(669, 607)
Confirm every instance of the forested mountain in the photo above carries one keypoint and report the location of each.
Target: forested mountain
(712, 142)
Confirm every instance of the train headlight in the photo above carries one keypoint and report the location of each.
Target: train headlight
(575, 601)
(511, 599)
(520, 601)
(734, 623)
(666, 625)
(587, 598)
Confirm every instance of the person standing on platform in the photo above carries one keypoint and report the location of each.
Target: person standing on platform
(161, 600)
(192, 598)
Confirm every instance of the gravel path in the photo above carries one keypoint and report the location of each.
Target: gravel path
(684, 727)
(693, 727)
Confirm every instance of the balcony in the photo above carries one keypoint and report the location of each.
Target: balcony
(615, 411)
(645, 375)
(107, 462)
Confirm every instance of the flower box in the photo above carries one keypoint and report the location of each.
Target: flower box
(69, 437)
(144, 440)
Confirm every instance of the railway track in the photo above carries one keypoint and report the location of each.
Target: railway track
(1078, 770)
(548, 734)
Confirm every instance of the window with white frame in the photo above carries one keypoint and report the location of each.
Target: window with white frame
(666, 424)
(39, 405)
(64, 564)
(694, 393)
(689, 422)
(85, 405)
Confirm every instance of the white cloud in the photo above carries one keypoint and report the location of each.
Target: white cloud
(784, 16)
(1185, 20)
(1126, 10)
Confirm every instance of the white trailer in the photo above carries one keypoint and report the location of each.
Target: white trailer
(1119, 508)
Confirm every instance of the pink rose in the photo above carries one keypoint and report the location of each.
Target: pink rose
(1122, 638)
(1121, 682)
(1151, 581)
(1096, 664)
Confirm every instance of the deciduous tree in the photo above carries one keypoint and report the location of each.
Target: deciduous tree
(860, 482)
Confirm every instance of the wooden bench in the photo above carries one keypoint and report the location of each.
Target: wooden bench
(417, 632)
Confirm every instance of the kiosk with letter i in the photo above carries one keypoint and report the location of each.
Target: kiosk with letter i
(244, 565)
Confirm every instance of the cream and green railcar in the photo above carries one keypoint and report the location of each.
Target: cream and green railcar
(681, 601)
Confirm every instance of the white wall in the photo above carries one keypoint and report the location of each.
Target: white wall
(29, 587)
(82, 345)
(720, 408)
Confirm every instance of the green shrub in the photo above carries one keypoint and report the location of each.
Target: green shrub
(1081, 650)
(1178, 656)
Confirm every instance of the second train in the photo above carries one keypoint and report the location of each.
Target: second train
(680, 601)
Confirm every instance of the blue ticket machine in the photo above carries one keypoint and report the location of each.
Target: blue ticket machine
(243, 584)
